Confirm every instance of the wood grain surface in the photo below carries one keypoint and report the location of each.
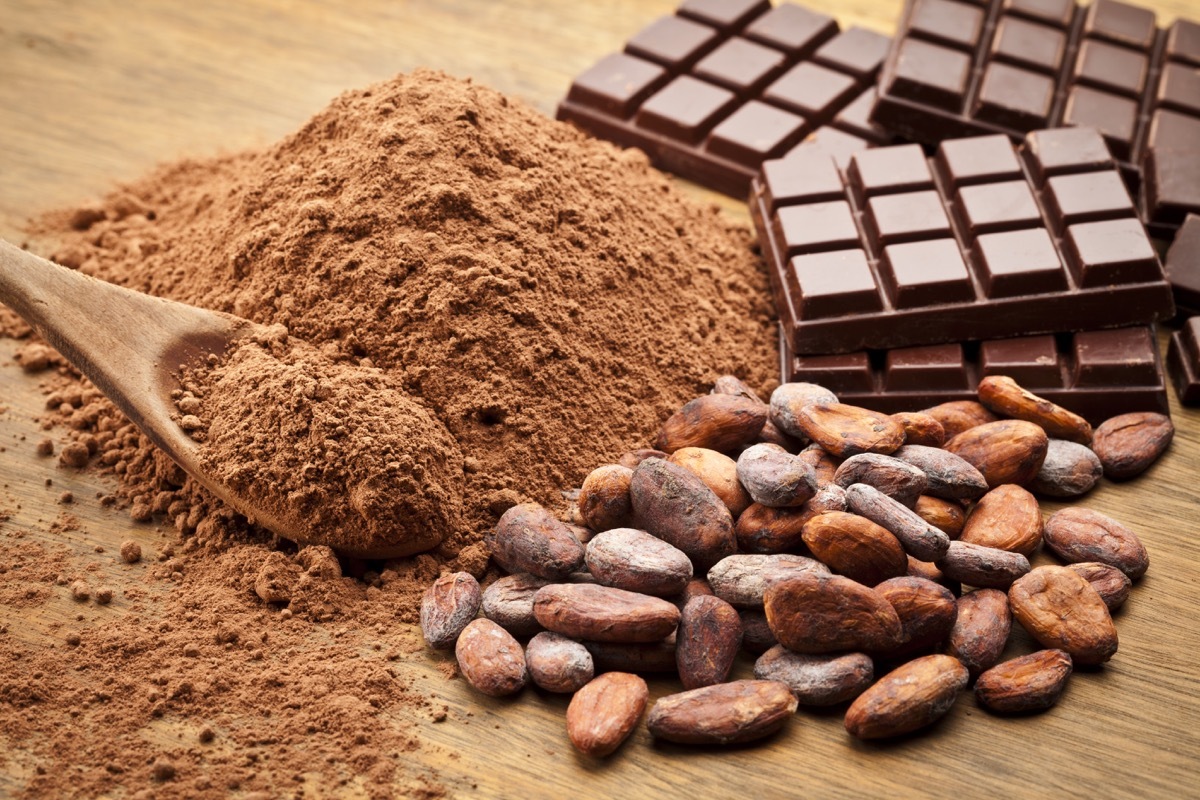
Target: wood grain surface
(97, 92)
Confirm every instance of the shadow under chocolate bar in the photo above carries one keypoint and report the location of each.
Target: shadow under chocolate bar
(1096, 374)
(1011, 66)
(712, 91)
(981, 241)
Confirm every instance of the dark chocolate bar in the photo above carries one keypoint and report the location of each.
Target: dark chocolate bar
(1011, 66)
(1170, 189)
(981, 241)
(1183, 362)
(712, 91)
(1096, 374)
(1183, 267)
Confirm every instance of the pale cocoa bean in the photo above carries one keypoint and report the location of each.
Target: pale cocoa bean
(981, 629)
(674, 505)
(960, 415)
(707, 642)
(1006, 518)
(855, 547)
(1110, 583)
(787, 401)
(945, 515)
(1028, 683)
(558, 664)
(1079, 534)
(921, 428)
(716, 421)
(1128, 444)
(448, 605)
(1008, 451)
(982, 567)
(603, 614)
(509, 603)
(635, 457)
(817, 680)
(1060, 609)
(846, 430)
(741, 580)
(773, 477)
(1069, 470)
(735, 386)
(604, 498)
(916, 535)
(909, 698)
(756, 633)
(727, 713)
(491, 659)
(603, 713)
(528, 538)
(718, 472)
(949, 476)
(1006, 397)
(648, 657)
(638, 562)
(900, 481)
(926, 610)
(810, 613)
(824, 465)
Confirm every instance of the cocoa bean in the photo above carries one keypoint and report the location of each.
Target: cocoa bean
(603, 713)
(1110, 583)
(824, 465)
(694, 588)
(708, 640)
(1061, 610)
(603, 614)
(528, 538)
(762, 529)
(491, 659)
(949, 476)
(558, 664)
(773, 477)
(1008, 451)
(926, 610)
(1006, 518)
(846, 430)
(1006, 397)
(960, 415)
(810, 613)
(1128, 444)
(741, 580)
(855, 547)
(787, 401)
(900, 481)
(1079, 534)
(448, 605)
(1069, 470)
(735, 386)
(817, 680)
(638, 562)
(727, 713)
(673, 504)
(718, 472)
(948, 517)
(719, 422)
(509, 603)
(635, 457)
(909, 698)
(917, 536)
(921, 428)
(604, 498)
(982, 567)
(756, 633)
(981, 629)
(1029, 683)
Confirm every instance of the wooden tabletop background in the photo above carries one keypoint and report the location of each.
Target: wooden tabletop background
(97, 92)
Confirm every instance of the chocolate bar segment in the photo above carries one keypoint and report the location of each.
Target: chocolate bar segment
(960, 68)
(981, 241)
(1183, 362)
(714, 90)
(1170, 188)
(1183, 267)
(1097, 374)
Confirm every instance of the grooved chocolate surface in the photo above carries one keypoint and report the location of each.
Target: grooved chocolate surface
(1183, 362)
(1097, 374)
(959, 68)
(722, 85)
(980, 241)
(1170, 189)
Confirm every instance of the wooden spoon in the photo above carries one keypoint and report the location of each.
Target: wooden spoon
(131, 346)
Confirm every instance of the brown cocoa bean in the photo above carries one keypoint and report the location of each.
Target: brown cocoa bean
(900, 481)
(1028, 683)
(708, 640)
(603, 713)
(981, 629)
(1006, 397)
(762, 529)
(789, 398)
(1128, 444)
(817, 680)
(982, 567)
(449, 604)
(774, 477)
(824, 465)
(603, 614)
(810, 613)
(604, 498)
(928, 571)
(846, 430)
(727, 713)
(916, 535)
(1079, 534)
(948, 476)
(1110, 583)
(855, 547)
(635, 457)
(741, 580)
(694, 588)
(673, 504)
(1061, 610)
(719, 422)
(921, 428)
(718, 472)
(909, 698)
(491, 659)
(638, 562)
(1008, 451)
(945, 515)
(1069, 470)
(770, 434)
(735, 386)
(509, 603)
(528, 538)
(1006, 518)
(648, 657)
(926, 610)
(757, 637)
(960, 415)
(558, 664)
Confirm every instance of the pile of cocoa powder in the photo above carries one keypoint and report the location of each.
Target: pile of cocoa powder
(548, 299)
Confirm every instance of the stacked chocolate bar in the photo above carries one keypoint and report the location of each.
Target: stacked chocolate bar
(976, 196)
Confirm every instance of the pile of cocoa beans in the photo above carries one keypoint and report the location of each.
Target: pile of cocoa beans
(870, 559)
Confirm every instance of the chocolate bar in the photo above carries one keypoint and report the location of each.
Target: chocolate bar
(722, 85)
(1183, 267)
(1011, 66)
(1183, 362)
(1170, 189)
(981, 241)
(1096, 374)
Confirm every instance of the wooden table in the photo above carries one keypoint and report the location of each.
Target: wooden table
(95, 93)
